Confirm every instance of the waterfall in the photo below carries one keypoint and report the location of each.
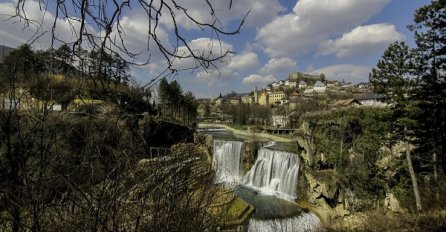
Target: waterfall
(227, 161)
(274, 173)
(307, 222)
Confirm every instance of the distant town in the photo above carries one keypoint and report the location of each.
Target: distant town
(285, 97)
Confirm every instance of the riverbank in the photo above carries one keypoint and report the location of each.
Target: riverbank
(246, 133)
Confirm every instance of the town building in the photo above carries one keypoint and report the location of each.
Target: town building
(263, 99)
(294, 95)
(234, 100)
(280, 120)
(276, 97)
(302, 85)
(331, 84)
(346, 103)
(247, 99)
(319, 87)
(372, 100)
(309, 90)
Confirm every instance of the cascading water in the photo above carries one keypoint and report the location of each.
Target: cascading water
(307, 222)
(274, 172)
(227, 161)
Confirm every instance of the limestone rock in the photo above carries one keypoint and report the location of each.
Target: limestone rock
(322, 185)
(392, 204)
(306, 141)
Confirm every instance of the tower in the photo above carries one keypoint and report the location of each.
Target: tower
(256, 99)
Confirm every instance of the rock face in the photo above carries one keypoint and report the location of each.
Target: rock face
(322, 185)
(249, 155)
(324, 194)
(306, 141)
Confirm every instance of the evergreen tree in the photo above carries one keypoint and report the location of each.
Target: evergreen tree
(164, 96)
(391, 77)
(430, 95)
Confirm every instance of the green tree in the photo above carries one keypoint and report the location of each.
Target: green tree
(391, 77)
(260, 115)
(20, 65)
(322, 76)
(430, 63)
(175, 104)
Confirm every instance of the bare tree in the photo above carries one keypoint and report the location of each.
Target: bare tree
(98, 25)
(62, 173)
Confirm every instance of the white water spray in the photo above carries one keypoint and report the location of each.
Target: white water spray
(227, 161)
(274, 173)
(307, 222)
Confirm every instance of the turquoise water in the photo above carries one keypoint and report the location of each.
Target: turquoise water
(267, 207)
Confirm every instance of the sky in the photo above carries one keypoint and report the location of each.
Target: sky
(343, 39)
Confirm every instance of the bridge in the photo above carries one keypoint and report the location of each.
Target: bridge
(280, 131)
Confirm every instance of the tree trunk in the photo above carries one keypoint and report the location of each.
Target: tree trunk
(416, 191)
(434, 161)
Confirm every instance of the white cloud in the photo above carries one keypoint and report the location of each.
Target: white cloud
(226, 11)
(362, 40)
(133, 34)
(228, 68)
(205, 48)
(257, 79)
(229, 71)
(278, 66)
(14, 31)
(245, 60)
(210, 77)
(312, 22)
(347, 72)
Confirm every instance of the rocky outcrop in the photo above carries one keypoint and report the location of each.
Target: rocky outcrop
(391, 203)
(249, 155)
(306, 141)
(323, 194)
(322, 184)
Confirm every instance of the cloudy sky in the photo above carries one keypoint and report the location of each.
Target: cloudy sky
(341, 38)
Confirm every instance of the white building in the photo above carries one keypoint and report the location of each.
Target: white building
(372, 100)
(308, 90)
(290, 84)
(302, 85)
(319, 87)
(280, 120)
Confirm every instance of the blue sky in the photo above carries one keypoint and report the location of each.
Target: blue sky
(341, 38)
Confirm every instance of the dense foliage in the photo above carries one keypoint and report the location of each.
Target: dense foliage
(176, 104)
(414, 82)
(351, 142)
